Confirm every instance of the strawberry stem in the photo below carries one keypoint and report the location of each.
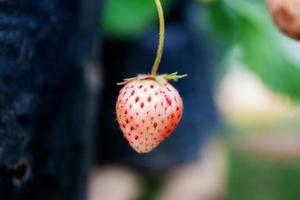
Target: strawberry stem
(161, 38)
(163, 79)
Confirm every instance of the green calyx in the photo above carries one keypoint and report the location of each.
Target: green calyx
(162, 79)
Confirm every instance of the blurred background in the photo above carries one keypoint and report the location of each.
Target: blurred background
(59, 64)
(254, 83)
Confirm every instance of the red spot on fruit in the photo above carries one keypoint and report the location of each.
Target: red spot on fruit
(169, 101)
(142, 105)
(132, 93)
(140, 86)
(151, 86)
(132, 128)
(149, 99)
(137, 99)
(136, 137)
(155, 125)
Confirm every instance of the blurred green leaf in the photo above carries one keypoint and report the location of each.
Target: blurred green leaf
(246, 24)
(128, 18)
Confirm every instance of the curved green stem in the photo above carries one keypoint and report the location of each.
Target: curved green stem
(163, 79)
(161, 38)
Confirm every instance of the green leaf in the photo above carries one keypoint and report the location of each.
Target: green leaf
(128, 18)
(246, 24)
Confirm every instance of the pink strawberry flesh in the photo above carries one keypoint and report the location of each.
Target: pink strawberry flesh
(147, 113)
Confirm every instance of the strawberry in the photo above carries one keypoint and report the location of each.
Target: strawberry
(148, 107)
(148, 112)
(286, 16)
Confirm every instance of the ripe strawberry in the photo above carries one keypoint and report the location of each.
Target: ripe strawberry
(148, 107)
(148, 112)
(286, 16)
